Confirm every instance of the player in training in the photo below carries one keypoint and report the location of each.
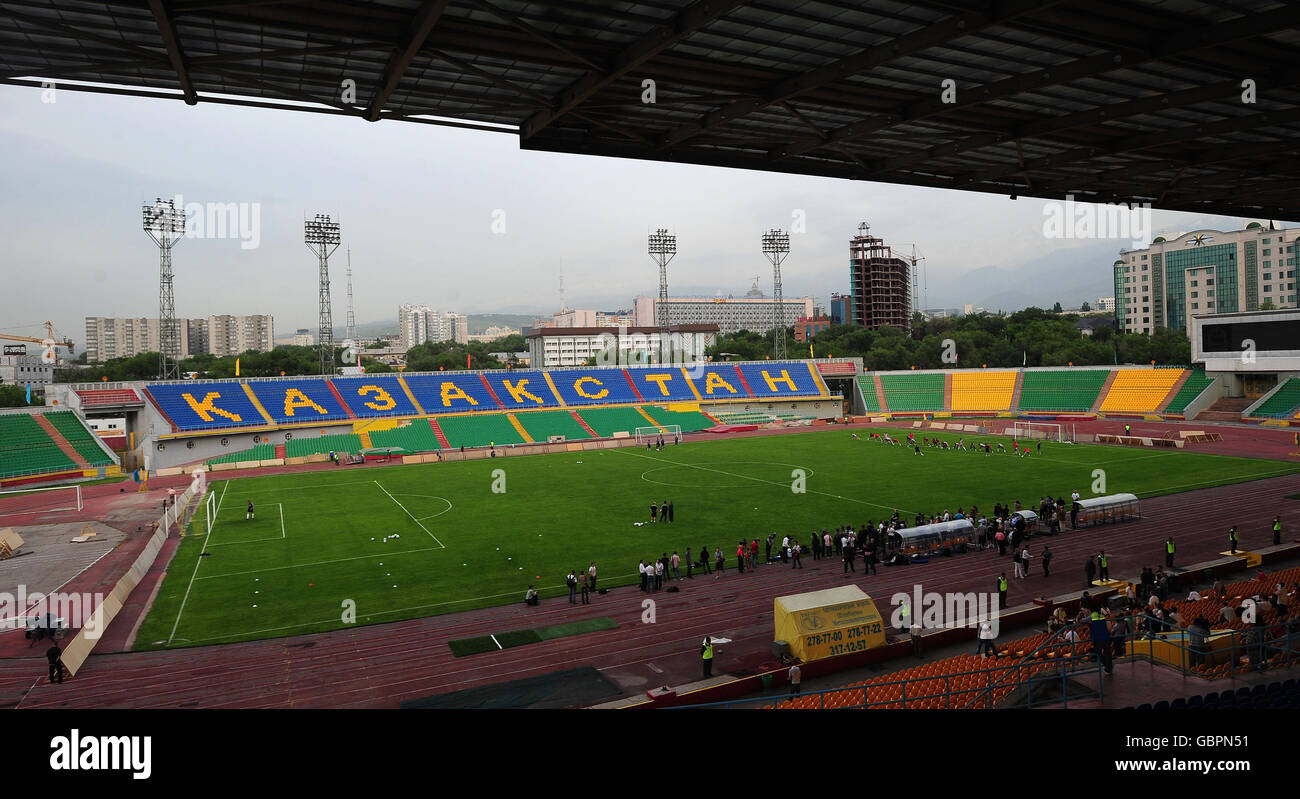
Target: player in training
(249, 515)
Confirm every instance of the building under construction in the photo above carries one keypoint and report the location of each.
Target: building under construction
(880, 283)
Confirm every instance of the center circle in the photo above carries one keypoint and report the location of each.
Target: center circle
(704, 472)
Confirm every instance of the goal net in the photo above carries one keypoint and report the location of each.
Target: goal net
(46, 500)
(669, 432)
(1051, 431)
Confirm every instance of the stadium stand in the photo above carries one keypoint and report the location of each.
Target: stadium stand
(543, 424)
(608, 421)
(1274, 696)
(982, 390)
(1139, 390)
(605, 386)
(259, 452)
(93, 398)
(1065, 391)
(415, 437)
(479, 430)
(25, 448)
(345, 442)
(655, 384)
(689, 421)
(869, 398)
(912, 392)
(79, 436)
(780, 380)
(375, 395)
(300, 400)
(1283, 402)
(452, 391)
(206, 406)
(718, 382)
(516, 389)
(1196, 383)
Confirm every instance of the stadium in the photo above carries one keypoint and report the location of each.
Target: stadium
(840, 537)
(426, 504)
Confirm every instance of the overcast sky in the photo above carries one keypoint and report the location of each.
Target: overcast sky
(417, 206)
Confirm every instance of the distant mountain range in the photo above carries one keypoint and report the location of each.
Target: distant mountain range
(1070, 277)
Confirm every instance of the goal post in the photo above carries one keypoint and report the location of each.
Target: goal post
(29, 500)
(653, 432)
(1051, 431)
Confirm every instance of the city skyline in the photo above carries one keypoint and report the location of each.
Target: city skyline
(427, 230)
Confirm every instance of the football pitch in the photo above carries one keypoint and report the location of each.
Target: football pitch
(336, 547)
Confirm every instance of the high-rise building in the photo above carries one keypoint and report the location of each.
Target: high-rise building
(841, 305)
(880, 283)
(232, 335)
(1202, 273)
(730, 314)
(113, 337)
(1105, 304)
(417, 324)
(574, 317)
(574, 346)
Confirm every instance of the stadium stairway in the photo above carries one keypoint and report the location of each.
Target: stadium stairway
(584, 424)
(514, 420)
(364, 435)
(1015, 393)
(281, 451)
(1196, 383)
(60, 442)
(437, 431)
(1225, 409)
(880, 393)
(1105, 389)
(647, 415)
(1173, 391)
(947, 392)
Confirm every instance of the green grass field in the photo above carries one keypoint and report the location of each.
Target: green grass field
(453, 543)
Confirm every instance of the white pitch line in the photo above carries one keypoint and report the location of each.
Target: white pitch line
(408, 513)
(301, 488)
(759, 480)
(495, 641)
(197, 561)
(320, 563)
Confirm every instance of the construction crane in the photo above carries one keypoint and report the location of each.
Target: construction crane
(914, 259)
(49, 342)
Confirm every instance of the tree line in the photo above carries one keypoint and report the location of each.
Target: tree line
(1032, 337)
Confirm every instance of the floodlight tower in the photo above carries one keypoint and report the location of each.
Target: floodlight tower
(322, 237)
(662, 249)
(776, 246)
(165, 224)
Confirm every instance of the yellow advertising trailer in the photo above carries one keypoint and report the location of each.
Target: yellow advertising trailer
(822, 624)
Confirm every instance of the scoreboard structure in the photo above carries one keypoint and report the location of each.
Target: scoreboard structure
(1248, 353)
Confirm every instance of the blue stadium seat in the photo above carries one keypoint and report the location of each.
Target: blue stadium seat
(661, 383)
(451, 391)
(600, 385)
(779, 379)
(302, 399)
(718, 382)
(521, 389)
(206, 406)
(375, 395)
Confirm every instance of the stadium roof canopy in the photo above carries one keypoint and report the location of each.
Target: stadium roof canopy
(1107, 100)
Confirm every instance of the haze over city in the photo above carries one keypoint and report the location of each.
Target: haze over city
(416, 204)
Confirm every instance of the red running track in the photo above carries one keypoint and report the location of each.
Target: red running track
(382, 665)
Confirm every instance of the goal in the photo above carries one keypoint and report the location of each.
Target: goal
(651, 434)
(29, 500)
(1051, 431)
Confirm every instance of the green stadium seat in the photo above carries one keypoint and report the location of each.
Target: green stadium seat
(1283, 403)
(1062, 390)
(25, 448)
(544, 424)
(479, 430)
(608, 421)
(299, 447)
(260, 452)
(869, 399)
(913, 392)
(1195, 384)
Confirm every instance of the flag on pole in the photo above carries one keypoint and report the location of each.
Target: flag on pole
(467, 357)
(236, 367)
(810, 351)
(29, 393)
(1024, 357)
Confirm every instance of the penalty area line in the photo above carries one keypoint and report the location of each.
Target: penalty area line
(408, 513)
